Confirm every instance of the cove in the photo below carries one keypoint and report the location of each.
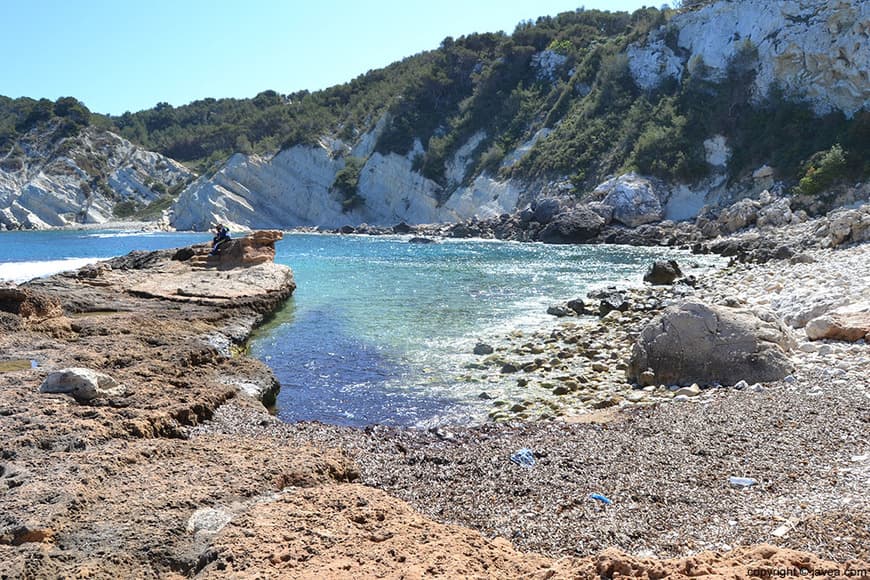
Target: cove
(381, 331)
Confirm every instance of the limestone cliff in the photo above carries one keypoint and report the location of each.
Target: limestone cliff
(47, 181)
(295, 188)
(814, 50)
(818, 49)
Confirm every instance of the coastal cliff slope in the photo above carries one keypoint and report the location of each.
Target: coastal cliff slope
(716, 101)
(50, 179)
(763, 55)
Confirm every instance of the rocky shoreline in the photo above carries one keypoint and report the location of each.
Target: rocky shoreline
(186, 474)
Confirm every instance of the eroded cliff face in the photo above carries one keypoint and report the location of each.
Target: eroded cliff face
(47, 182)
(818, 49)
(812, 49)
(295, 188)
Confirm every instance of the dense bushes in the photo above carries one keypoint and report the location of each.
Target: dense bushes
(347, 183)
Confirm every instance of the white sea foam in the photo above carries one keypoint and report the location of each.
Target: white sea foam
(23, 271)
(123, 234)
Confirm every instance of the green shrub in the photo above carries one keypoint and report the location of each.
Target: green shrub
(125, 209)
(347, 183)
(824, 169)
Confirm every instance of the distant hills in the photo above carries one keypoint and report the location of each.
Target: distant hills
(572, 99)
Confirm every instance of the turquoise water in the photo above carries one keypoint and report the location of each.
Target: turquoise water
(380, 330)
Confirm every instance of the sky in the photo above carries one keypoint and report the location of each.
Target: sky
(128, 55)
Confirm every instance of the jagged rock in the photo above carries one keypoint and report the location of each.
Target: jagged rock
(739, 215)
(82, 384)
(849, 323)
(579, 225)
(604, 210)
(846, 226)
(777, 213)
(663, 272)
(634, 199)
(544, 210)
(610, 301)
(420, 240)
(700, 343)
(577, 305)
(401, 228)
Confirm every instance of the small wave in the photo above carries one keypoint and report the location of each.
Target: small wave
(23, 271)
(122, 234)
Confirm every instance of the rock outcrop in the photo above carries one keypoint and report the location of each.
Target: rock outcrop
(80, 179)
(705, 344)
(849, 323)
(635, 200)
(816, 48)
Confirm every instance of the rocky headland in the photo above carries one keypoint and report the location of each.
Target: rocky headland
(137, 442)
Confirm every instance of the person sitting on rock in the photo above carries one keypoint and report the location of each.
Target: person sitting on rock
(222, 235)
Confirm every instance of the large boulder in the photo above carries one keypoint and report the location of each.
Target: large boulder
(579, 225)
(257, 248)
(82, 384)
(663, 272)
(739, 215)
(850, 323)
(700, 343)
(635, 199)
(544, 210)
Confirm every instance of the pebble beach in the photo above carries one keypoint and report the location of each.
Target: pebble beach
(665, 456)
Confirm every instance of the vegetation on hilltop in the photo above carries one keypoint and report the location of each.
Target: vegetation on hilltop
(568, 74)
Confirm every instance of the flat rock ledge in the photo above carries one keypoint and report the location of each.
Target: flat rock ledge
(126, 480)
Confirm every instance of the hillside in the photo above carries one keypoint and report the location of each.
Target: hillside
(58, 167)
(485, 123)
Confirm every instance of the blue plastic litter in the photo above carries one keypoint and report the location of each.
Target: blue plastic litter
(742, 482)
(525, 457)
(601, 498)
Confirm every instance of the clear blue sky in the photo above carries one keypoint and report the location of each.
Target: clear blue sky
(119, 55)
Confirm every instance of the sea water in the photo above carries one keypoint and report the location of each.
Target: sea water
(26, 255)
(381, 330)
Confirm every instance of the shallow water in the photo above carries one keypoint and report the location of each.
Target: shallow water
(379, 330)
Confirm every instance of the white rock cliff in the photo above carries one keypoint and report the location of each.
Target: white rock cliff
(80, 179)
(816, 48)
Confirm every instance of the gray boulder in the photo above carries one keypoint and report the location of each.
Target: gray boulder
(663, 272)
(635, 199)
(544, 210)
(579, 225)
(82, 384)
(739, 215)
(700, 343)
